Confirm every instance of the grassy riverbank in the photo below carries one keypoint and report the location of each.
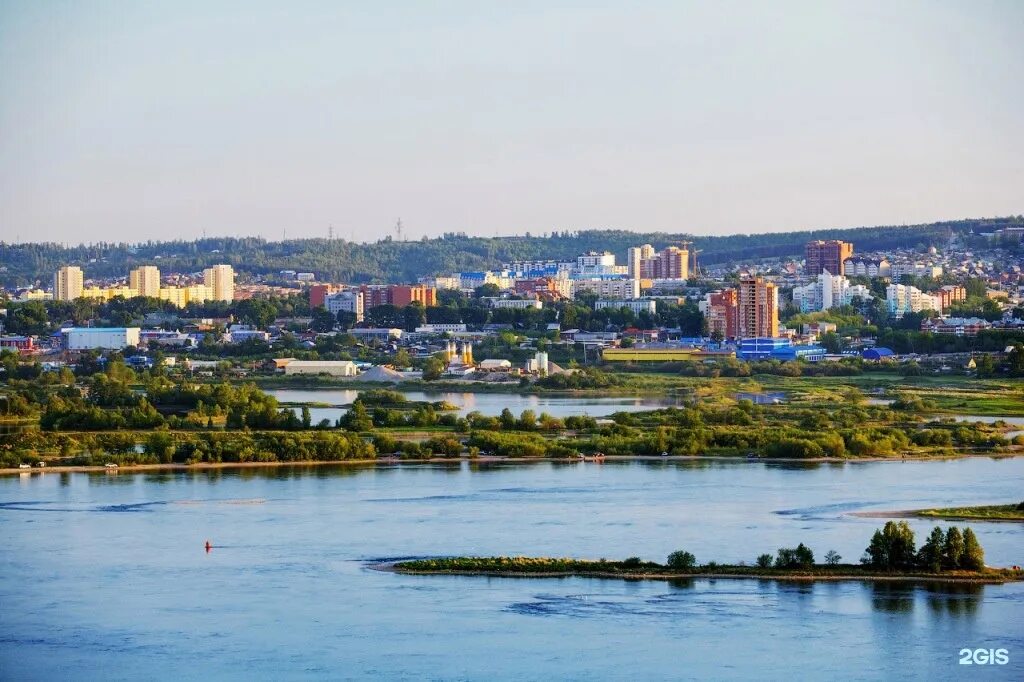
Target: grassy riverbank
(631, 569)
(998, 512)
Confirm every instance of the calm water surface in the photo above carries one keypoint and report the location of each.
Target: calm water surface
(105, 577)
(490, 404)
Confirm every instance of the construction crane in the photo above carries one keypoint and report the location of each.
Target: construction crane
(695, 270)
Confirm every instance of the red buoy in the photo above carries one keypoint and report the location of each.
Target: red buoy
(208, 546)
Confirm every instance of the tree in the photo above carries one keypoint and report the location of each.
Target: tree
(402, 359)
(160, 444)
(28, 319)
(488, 290)
(507, 419)
(681, 560)
(832, 557)
(346, 319)
(974, 555)
(384, 316)
(357, 418)
(953, 549)
(830, 342)
(433, 368)
(413, 315)
(930, 554)
(256, 311)
(800, 556)
(892, 547)
(764, 561)
(323, 320)
(527, 420)
(307, 417)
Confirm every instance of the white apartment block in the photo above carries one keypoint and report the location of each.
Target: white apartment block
(901, 299)
(514, 303)
(639, 305)
(828, 291)
(608, 288)
(350, 301)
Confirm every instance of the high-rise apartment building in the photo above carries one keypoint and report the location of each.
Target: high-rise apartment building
(635, 256)
(221, 280)
(901, 299)
(145, 280)
(671, 262)
(722, 311)
(68, 283)
(759, 308)
(826, 256)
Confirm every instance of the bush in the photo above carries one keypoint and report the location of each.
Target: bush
(800, 556)
(681, 560)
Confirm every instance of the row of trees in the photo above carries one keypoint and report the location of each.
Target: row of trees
(893, 548)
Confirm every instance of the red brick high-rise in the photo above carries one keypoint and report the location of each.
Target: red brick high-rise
(723, 313)
(759, 308)
(399, 295)
(826, 255)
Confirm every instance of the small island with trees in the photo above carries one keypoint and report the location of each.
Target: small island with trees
(948, 556)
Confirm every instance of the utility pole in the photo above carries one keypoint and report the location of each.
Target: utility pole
(398, 230)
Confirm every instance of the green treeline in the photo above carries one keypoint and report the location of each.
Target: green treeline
(893, 548)
(183, 447)
(393, 261)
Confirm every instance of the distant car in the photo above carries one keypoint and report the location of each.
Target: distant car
(40, 464)
(110, 465)
(24, 466)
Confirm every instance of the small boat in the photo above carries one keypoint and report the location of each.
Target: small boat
(751, 455)
(596, 457)
(664, 454)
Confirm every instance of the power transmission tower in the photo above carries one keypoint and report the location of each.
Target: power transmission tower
(330, 233)
(398, 230)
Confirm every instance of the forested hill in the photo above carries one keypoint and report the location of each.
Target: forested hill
(392, 261)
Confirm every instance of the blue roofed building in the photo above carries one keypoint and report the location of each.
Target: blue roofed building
(761, 347)
(878, 354)
(777, 348)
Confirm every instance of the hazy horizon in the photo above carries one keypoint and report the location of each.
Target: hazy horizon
(131, 122)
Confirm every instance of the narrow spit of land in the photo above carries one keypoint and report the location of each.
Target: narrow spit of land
(994, 512)
(544, 567)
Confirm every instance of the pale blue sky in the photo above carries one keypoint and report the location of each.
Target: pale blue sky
(157, 120)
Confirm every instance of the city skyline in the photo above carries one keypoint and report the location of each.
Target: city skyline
(151, 122)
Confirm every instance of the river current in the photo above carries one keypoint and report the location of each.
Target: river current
(105, 576)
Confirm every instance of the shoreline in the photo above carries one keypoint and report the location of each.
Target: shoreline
(484, 459)
(920, 514)
(795, 577)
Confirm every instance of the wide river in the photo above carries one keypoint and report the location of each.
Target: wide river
(104, 577)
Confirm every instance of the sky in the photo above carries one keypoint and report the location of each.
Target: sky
(131, 121)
